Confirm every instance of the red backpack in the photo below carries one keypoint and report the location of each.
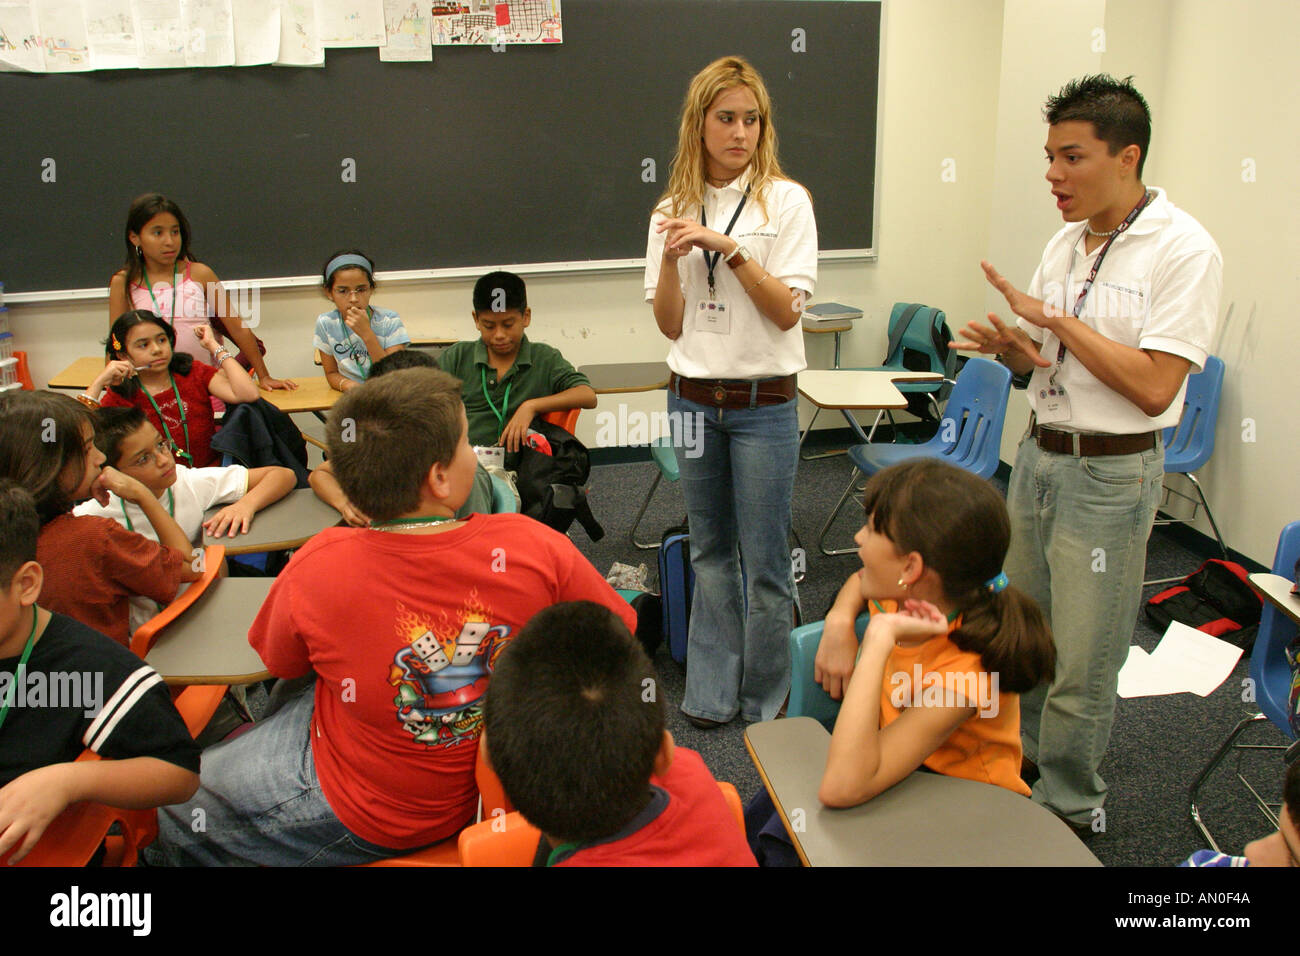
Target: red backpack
(1215, 599)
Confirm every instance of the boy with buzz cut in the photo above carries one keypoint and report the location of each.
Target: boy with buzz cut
(575, 732)
(403, 623)
(122, 708)
(132, 445)
(508, 380)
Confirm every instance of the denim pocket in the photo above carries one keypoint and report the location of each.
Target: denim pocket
(1114, 469)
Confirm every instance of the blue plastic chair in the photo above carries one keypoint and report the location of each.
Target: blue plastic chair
(918, 349)
(969, 435)
(1270, 672)
(1189, 444)
(807, 699)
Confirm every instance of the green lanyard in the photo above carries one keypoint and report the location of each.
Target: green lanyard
(505, 402)
(365, 353)
(180, 404)
(569, 848)
(175, 294)
(21, 672)
(171, 508)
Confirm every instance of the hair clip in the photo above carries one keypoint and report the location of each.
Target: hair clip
(997, 583)
(117, 346)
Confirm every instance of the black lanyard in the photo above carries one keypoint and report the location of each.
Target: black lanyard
(712, 261)
(1096, 266)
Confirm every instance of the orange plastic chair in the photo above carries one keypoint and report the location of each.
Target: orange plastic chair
(24, 373)
(446, 853)
(76, 834)
(147, 633)
(566, 418)
(512, 841)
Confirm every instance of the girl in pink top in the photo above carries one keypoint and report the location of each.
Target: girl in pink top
(161, 276)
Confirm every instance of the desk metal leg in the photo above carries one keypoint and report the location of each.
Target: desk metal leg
(804, 437)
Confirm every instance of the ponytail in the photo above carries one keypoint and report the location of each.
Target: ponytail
(1009, 633)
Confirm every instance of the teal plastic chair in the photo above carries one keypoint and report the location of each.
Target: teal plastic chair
(969, 436)
(807, 699)
(1270, 671)
(503, 499)
(665, 459)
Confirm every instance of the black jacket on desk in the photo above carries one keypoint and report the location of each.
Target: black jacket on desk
(257, 434)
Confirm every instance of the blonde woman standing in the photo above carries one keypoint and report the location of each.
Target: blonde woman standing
(731, 257)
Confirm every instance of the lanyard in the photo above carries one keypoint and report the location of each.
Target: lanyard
(175, 295)
(505, 401)
(171, 508)
(712, 262)
(345, 347)
(1096, 266)
(180, 404)
(21, 672)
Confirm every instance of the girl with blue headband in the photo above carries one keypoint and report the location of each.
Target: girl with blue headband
(950, 645)
(355, 334)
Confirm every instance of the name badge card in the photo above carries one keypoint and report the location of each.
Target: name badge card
(490, 455)
(712, 316)
(1053, 405)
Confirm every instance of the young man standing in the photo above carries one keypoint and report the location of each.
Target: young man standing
(1121, 308)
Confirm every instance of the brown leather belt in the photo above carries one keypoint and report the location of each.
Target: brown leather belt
(1084, 445)
(733, 393)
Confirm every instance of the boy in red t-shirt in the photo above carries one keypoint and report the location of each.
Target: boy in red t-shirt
(402, 623)
(575, 731)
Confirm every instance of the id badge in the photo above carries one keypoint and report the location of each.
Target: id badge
(1053, 405)
(712, 316)
(490, 456)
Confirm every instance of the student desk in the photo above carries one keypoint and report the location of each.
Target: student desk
(856, 389)
(925, 820)
(626, 377)
(208, 644)
(80, 374)
(1277, 591)
(835, 328)
(286, 523)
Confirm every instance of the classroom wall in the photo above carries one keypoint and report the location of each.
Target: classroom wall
(961, 155)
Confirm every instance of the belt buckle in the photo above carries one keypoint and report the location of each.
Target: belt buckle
(719, 394)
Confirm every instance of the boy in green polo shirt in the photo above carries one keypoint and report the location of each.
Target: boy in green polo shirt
(506, 380)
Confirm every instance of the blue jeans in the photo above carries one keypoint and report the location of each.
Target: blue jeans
(1079, 529)
(738, 481)
(261, 804)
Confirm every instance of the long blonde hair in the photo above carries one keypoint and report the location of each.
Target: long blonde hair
(687, 182)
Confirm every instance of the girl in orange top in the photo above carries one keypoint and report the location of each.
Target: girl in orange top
(949, 647)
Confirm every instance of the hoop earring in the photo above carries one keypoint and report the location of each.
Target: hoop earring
(902, 584)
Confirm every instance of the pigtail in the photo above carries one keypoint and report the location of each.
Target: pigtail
(1013, 639)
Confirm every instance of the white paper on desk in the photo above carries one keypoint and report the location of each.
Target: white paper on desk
(344, 23)
(407, 27)
(160, 28)
(63, 30)
(20, 40)
(111, 35)
(1185, 661)
(257, 32)
(299, 37)
(210, 32)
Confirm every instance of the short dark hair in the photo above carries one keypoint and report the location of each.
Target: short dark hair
(19, 527)
(114, 425)
(26, 420)
(572, 725)
(500, 292)
(385, 435)
(402, 358)
(115, 347)
(1114, 107)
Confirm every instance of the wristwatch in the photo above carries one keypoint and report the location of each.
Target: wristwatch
(739, 257)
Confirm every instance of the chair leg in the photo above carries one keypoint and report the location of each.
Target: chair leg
(1223, 548)
(808, 431)
(631, 535)
(821, 537)
(1210, 768)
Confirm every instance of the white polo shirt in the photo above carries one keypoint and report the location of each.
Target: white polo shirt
(1158, 288)
(784, 242)
(195, 491)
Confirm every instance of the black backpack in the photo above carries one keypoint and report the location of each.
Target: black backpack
(553, 488)
(1215, 599)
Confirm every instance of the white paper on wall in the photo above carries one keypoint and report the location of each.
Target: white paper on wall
(111, 34)
(63, 34)
(210, 32)
(257, 31)
(345, 23)
(299, 38)
(20, 41)
(160, 27)
(406, 24)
